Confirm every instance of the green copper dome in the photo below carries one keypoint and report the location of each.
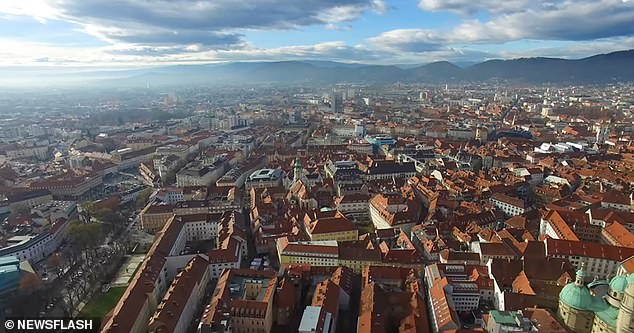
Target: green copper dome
(575, 296)
(618, 284)
(630, 279)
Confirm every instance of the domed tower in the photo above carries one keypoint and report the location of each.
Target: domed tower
(606, 307)
(575, 305)
(625, 319)
(617, 290)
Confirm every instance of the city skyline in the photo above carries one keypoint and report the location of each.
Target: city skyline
(317, 166)
(154, 33)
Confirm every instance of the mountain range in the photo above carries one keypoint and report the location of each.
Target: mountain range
(616, 66)
(602, 68)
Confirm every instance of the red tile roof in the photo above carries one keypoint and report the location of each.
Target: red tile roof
(170, 309)
(445, 316)
(330, 225)
(559, 226)
(544, 320)
(618, 235)
(587, 249)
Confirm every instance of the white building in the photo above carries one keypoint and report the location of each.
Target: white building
(199, 175)
(171, 195)
(600, 260)
(36, 248)
(264, 178)
(39, 152)
(509, 205)
(317, 319)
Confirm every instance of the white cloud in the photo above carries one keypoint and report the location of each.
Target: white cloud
(409, 40)
(214, 22)
(16, 53)
(574, 50)
(471, 7)
(583, 20)
(174, 31)
(142, 32)
(579, 20)
(38, 9)
(379, 6)
(338, 27)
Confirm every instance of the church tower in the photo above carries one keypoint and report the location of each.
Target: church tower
(298, 170)
(575, 305)
(603, 133)
(625, 319)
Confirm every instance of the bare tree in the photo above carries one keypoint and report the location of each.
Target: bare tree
(86, 210)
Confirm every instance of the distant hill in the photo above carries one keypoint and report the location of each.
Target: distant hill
(436, 71)
(616, 66)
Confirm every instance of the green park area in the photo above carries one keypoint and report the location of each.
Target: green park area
(102, 303)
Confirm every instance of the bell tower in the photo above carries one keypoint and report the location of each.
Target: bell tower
(298, 170)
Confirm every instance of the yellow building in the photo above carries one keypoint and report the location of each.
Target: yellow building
(352, 254)
(355, 265)
(154, 217)
(192, 207)
(330, 225)
(321, 253)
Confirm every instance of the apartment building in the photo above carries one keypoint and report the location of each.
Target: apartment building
(242, 303)
(164, 261)
(600, 260)
(68, 186)
(34, 248)
(182, 299)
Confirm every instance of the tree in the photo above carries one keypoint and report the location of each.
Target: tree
(87, 210)
(55, 260)
(85, 236)
(103, 214)
(114, 220)
(143, 197)
(71, 298)
(170, 178)
(29, 283)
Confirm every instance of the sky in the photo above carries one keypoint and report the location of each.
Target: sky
(136, 33)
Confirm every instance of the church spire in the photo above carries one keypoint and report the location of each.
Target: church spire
(297, 170)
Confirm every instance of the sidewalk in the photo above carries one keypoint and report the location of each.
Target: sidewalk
(127, 270)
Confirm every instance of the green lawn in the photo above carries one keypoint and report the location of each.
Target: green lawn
(102, 303)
